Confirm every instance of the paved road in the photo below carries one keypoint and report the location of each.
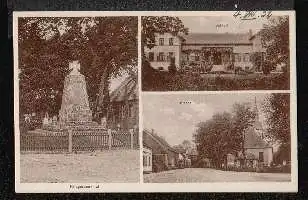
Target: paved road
(211, 175)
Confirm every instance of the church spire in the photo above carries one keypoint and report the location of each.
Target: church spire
(257, 123)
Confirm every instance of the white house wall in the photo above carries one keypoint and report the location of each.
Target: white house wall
(267, 154)
(166, 48)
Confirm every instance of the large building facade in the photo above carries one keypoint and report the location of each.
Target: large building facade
(205, 52)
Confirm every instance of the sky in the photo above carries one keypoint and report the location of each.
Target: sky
(176, 121)
(210, 24)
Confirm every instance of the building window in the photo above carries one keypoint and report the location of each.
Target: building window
(170, 55)
(246, 57)
(123, 111)
(261, 157)
(161, 56)
(192, 57)
(151, 56)
(131, 110)
(237, 57)
(197, 58)
(170, 41)
(144, 161)
(161, 41)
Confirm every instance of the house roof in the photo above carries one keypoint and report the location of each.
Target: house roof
(127, 90)
(253, 140)
(160, 141)
(217, 38)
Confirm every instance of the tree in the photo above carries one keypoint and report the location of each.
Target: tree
(275, 36)
(223, 134)
(277, 111)
(152, 25)
(242, 119)
(105, 46)
(214, 138)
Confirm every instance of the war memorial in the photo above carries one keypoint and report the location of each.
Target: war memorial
(74, 129)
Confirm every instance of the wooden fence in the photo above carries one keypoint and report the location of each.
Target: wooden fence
(77, 140)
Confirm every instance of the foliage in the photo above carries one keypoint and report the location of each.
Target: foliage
(242, 118)
(153, 80)
(276, 38)
(283, 153)
(256, 59)
(185, 146)
(161, 24)
(172, 67)
(277, 110)
(105, 47)
(223, 133)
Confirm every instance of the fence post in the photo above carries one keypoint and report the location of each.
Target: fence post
(109, 138)
(131, 138)
(70, 141)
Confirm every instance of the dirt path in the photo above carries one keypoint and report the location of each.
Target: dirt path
(211, 175)
(107, 166)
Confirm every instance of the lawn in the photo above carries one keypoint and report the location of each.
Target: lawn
(116, 166)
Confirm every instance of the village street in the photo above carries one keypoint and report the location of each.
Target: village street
(211, 175)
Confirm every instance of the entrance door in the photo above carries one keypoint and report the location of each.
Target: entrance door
(217, 58)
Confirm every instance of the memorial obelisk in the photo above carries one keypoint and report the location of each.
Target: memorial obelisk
(75, 107)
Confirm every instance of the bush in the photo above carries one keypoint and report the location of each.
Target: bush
(276, 169)
(154, 80)
(266, 68)
(172, 67)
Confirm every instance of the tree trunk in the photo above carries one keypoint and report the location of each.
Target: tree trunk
(103, 94)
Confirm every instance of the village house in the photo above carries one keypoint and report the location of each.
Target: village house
(158, 155)
(123, 109)
(204, 52)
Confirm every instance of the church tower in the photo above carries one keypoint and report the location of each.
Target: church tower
(257, 123)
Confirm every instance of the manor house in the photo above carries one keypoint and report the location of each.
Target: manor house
(201, 51)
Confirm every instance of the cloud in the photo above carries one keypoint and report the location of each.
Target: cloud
(167, 111)
(186, 116)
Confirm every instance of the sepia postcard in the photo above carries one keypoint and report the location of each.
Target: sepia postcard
(146, 101)
(242, 51)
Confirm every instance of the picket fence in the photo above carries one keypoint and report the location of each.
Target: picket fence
(78, 140)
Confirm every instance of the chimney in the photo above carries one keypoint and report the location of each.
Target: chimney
(152, 130)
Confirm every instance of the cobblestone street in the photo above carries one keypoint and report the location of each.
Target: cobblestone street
(211, 175)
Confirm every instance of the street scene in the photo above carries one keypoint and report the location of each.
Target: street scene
(185, 53)
(78, 99)
(216, 137)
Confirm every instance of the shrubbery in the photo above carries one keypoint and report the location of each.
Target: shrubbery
(164, 81)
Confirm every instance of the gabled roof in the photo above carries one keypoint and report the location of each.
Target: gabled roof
(127, 90)
(253, 140)
(161, 141)
(217, 38)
